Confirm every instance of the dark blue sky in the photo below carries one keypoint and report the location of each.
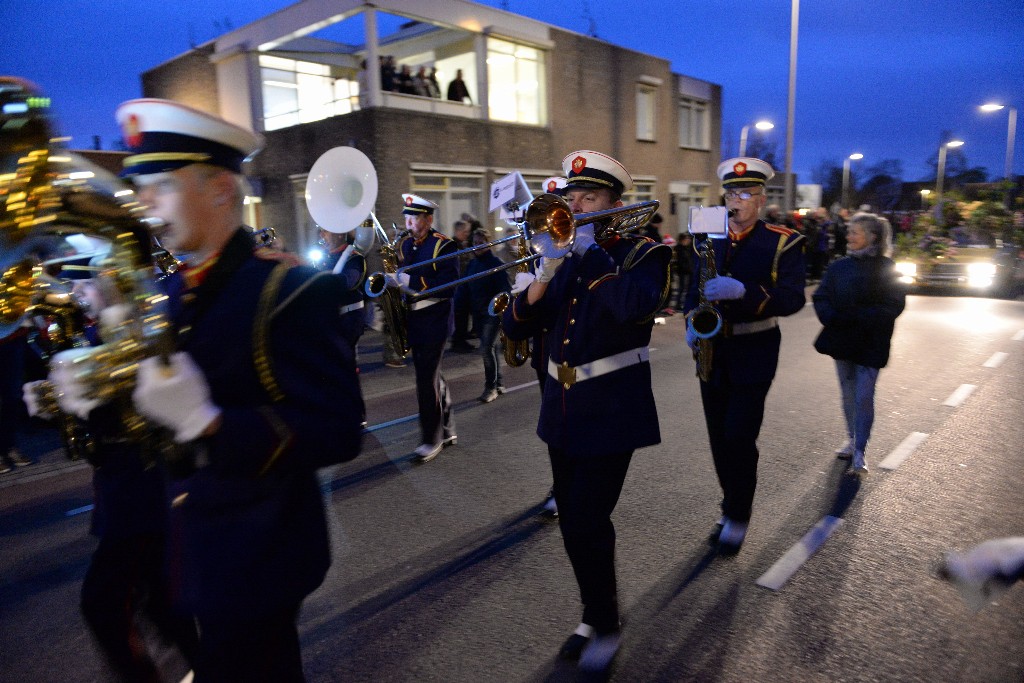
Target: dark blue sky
(880, 77)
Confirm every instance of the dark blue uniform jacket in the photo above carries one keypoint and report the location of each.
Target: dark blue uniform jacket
(250, 526)
(597, 306)
(769, 261)
(432, 324)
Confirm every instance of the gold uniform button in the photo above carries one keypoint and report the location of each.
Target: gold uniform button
(185, 330)
(574, 301)
(564, 342)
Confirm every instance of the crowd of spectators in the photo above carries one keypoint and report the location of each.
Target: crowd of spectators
(419, 80)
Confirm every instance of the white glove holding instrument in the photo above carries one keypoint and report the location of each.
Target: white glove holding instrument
(723, 288)
(584, 239)
(523, 280)
(400, 280)
(176, 397)
(30, 394)
(548, 267)
(70, 390)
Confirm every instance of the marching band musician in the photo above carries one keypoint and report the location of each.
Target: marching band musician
(761, 277)
(260, 393)
(597, 306)
(430, 321)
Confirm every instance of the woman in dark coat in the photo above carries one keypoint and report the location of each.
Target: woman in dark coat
(858, 301)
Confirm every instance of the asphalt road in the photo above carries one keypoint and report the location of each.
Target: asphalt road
(445, 571)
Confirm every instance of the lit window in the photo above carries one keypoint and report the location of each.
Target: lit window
(693, 123)
(299, 92)
(646, 98)
(516, 83)
(455, 194)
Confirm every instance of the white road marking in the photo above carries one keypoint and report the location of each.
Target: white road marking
(960, 395)
(903, 451)
(801, 551)
(996, 359)
(78, 511)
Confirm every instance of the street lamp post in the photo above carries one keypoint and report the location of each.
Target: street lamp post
(857, 156)
(941, 176)
(1011, 134)
(760, 125)
(924, 196)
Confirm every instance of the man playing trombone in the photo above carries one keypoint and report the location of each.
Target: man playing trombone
(430, 320)
(597, 306)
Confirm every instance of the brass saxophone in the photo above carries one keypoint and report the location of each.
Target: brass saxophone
(705, 321)
(516, 352)
(396, 310)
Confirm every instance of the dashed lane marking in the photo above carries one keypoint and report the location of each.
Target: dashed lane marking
(996, 359)
(78, 511)
(903, 451)
(800, 552)
(960, 395)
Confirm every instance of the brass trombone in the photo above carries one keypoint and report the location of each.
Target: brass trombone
(550, 229)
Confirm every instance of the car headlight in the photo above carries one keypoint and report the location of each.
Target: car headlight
(907, 271)
(981, 270)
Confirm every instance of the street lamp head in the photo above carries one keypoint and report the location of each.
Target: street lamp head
(764, 125)
(954, 143)
(925, 193)
(991, 106)
(856, 156)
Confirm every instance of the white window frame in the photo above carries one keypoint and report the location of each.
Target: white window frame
(693, 123)
(646, 112)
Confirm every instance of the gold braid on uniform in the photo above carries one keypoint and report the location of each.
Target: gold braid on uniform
(261, 332)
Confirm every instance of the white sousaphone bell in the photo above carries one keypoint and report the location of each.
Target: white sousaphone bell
(341, 190)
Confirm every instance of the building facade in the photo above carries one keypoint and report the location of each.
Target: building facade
(307, 77)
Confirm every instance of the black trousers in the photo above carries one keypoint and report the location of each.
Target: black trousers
(263, 649)
(127, 574)
(432, 394)
(587, 489)
(733, 415)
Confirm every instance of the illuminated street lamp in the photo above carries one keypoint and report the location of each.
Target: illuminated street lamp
(924, 196)
(941, 177)
(1011, 133)
(857, 156)
(760, 125)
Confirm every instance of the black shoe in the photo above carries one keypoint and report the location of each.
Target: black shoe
(716, 532)
(574, 644)
(488, 395)
(731, 539)
(426, 452)
(550, 508)
(501, 389)
(449, 440)
(463, 348)
(17, 459)
(598, 655)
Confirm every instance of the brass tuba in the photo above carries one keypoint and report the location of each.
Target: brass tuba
(47, 193)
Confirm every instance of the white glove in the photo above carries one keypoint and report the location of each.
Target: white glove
(176, 397)
(400, 280)
(67, 384)
(30, 393)
(722, 288)
(523, 280)
(548, 267)
(691, 337)
(985, 570)
(584, 239)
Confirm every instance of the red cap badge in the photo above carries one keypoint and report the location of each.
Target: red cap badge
(132, 131)
(739, 168)
(408, 201)
(552, 186)
(578, 164)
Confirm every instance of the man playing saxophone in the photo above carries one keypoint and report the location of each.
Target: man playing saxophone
(760, 276)
(595, 307)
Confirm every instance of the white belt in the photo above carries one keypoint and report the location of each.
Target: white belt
(567, 376)
(423, 303)
(736, 329)
(351, 307)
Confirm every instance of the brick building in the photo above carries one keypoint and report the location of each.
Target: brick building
(537, 92)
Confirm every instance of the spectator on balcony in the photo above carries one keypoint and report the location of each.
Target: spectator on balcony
(457, 90)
